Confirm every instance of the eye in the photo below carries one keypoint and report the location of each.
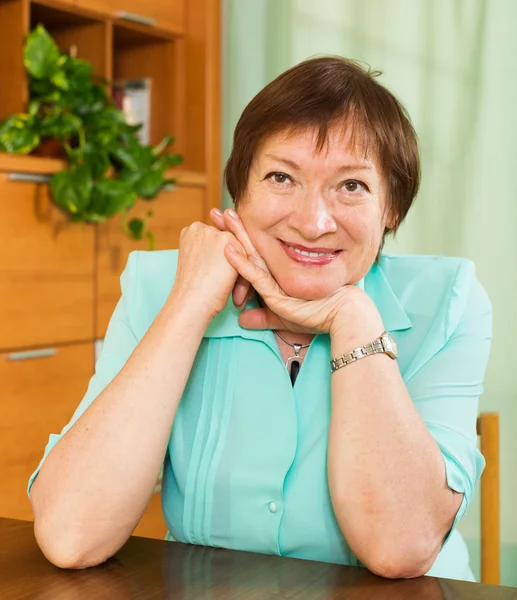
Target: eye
(278, 177)
(353, 185)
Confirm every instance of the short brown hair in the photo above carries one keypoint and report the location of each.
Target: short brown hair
(318, 93)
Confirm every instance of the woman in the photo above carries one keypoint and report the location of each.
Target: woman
(369, 461)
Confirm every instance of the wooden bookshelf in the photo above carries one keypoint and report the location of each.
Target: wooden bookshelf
(59, 282)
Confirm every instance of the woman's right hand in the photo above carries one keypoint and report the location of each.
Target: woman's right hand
(204, 277)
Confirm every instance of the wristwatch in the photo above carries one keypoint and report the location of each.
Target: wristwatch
(383, 344)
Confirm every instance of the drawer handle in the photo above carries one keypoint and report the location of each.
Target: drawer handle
(123, 14)
(29, 177)
(30, 354)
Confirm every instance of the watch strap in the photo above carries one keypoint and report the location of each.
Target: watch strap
(375, 347)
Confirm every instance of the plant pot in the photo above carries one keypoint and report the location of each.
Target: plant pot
(50, 148)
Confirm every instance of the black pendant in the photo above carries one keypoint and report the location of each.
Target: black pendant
(295, 369)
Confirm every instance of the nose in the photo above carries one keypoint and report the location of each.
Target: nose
(312, 217)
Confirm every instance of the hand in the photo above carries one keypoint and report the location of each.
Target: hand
(204, 276)
(230, 221)
(342, 310)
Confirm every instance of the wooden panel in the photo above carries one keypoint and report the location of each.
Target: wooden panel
(46, 270)
(203, 94)
(195, 82)
(171, 212)
(13, 88)
(168, 15)
(488, 429)
(38, 397)
(152, 524)
(213, 140)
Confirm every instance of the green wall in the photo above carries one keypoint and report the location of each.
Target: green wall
(454, 66)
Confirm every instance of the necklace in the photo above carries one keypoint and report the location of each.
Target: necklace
(295, 360)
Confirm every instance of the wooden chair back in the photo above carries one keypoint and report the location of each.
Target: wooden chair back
(488, 431)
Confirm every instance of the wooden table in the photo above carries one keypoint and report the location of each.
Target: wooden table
(145, 569)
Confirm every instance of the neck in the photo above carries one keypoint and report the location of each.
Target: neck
(296, 338)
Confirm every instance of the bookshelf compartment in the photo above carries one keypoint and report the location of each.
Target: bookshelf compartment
(76, 34)
(139, 55)
(13, 87)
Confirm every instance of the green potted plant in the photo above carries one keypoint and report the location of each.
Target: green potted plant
(108, 168)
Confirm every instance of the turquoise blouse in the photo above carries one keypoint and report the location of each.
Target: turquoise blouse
(245, 466)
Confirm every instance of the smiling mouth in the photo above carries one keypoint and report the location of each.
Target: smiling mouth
(309, 256)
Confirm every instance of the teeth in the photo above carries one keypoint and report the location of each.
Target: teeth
(311, 254)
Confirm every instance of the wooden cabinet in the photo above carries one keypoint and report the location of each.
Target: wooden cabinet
(152, 524)
(38, 397)
(59, 282)
(163, 14)
(46, 269)
(171, 212)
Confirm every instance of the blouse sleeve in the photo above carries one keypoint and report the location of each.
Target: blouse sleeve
(446, 390)
(119, 343)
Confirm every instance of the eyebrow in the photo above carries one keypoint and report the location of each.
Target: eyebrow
(341, 169)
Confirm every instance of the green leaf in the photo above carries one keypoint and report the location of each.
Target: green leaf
(72, 189)
(124, 157)
(57, 124)
(136, 228)
(59, 79)
(110, 196)
(97, 159)
(149, 185)
(41, 55)
(18, 134)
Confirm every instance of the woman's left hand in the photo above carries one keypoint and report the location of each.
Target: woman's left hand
(284, 312)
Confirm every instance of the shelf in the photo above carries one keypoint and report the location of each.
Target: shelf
(48, 166)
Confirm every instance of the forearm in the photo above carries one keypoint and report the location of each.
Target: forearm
(386, 473)
(96, 482)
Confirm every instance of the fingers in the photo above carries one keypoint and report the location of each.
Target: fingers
(234, 224)
(242, 289)
(240, 292)
(260, 318)
(218, 219)
(261, 280)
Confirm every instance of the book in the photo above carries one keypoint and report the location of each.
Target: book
(133, 98)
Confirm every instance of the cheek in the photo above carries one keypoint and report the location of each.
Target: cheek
(364, 228)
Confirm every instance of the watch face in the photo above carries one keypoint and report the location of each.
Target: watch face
(390, 346)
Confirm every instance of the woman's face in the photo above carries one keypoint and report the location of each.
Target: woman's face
(329, 204)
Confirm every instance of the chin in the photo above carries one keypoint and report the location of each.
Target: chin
(307, 289)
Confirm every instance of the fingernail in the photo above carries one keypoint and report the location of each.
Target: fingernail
(233, 214)
(218, 212)
(231, 249)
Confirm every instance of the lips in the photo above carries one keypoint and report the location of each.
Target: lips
(309, 256)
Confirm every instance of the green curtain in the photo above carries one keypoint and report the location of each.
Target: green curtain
(453, 63)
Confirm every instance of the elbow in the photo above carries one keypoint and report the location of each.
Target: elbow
(64, 549)
(399, 563)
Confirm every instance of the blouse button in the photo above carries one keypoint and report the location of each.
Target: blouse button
(272, 507)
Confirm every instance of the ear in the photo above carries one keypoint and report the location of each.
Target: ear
(390, 219)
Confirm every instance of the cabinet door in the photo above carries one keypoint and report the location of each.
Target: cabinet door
(164, 14)
(46, 270)
(171, 212)
(39, 396)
